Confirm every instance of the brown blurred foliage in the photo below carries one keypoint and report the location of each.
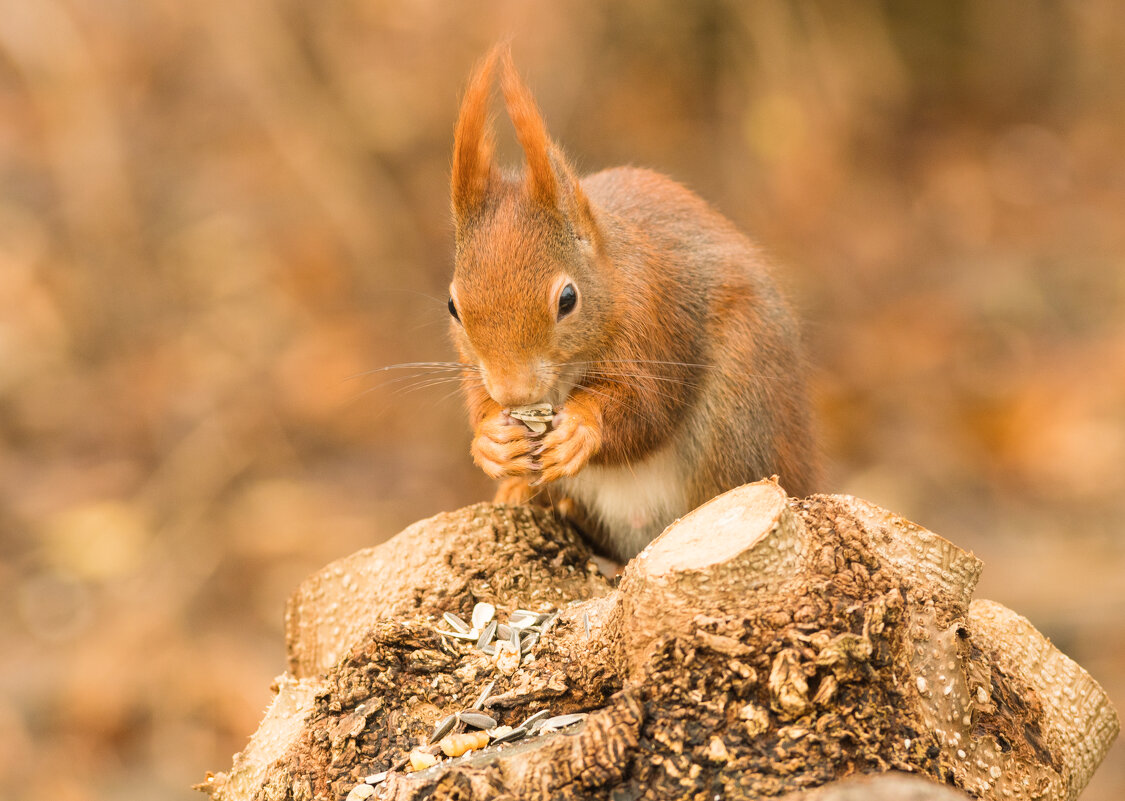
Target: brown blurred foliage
(216, 217)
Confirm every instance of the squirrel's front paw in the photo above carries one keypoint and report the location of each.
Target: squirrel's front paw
(566, 448)
(502, 448)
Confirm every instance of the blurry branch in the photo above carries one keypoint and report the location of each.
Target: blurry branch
(82, 141)
(308, 130)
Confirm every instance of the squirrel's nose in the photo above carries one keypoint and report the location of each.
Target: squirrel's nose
(513, 387)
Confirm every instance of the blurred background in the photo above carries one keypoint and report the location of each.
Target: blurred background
(215, 218)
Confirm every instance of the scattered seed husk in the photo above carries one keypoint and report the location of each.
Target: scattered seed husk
(511, 735)
(443, 727)
(536, 416)
(487, 691)
(489, 650)
(527, 642)
(458, 744)
(456, 623)
(459, 635)
(586, 623)
(478, 720)
(361, 792)
(514, 639)
(487, 635)
(548, 623)
(377, 778)
(562, 721)
(538, 716)
(482, 614)
(522, 619)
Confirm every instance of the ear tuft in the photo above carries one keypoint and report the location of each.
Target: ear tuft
(473, 140)
(543, 180)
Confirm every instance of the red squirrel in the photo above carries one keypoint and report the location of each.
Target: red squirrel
(645, 319)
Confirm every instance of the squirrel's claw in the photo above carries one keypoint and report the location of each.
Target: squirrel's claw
(567, 448)
(501, 449)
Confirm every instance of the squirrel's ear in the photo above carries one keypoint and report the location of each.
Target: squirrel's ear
(550, 181)
(542, 180)
(473, 140)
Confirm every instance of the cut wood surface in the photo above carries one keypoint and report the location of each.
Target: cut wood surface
(761, 647)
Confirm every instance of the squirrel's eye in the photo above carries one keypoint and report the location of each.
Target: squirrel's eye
(453, 311)
(568, 299)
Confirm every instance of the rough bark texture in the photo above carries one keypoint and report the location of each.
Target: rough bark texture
(762, 646)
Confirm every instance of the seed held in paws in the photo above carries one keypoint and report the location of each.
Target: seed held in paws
(536, 416)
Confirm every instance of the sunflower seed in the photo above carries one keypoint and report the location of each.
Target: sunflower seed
(456, 623)
(489, 650)
(514, 734)
(482, 614)
(548, 623)
(586, 623)
(522, 619)
(487, 635)
(535, 416)
(487, 691)
(562, 721)
(503, 631)
(443, 727)
(478, 720)
(514, 639)
(361, 792)
(459, 635)
(531, 721)
(377, 778)
(527, 642)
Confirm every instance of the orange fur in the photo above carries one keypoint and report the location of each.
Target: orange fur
(531, 133)
(473, 140)
(678, 374)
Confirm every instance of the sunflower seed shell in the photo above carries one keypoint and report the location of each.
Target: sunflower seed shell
(562, 721)
(443, 727)
(487, 691)
(487, 635)
(457, 635)
(482, 614)
(514, 734)
(538, 716)
(456, 623)
(478, 720)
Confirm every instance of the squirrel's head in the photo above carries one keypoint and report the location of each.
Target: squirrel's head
(528, 297)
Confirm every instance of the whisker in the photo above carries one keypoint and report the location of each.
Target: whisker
(431, 382)
(445, 374)
(764, 376)
(627, 405)
(450, 373)
(620, 382)
(419, 382)
(447, 396)
(418, 366)
(642, 376)
(642, 361)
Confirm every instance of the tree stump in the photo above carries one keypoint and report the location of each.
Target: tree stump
(761, 646)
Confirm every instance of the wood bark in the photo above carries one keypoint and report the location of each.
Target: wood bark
(761, 647)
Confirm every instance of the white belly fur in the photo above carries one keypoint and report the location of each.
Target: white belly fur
(634, 502)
